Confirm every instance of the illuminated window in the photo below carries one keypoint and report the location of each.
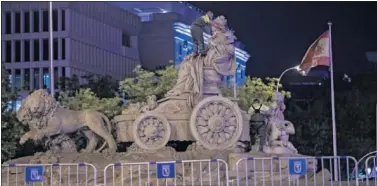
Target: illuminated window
(18, 103)
(17, 78)
(36, 78)
(14, 105)
(27, 79)
(10, 78)
(46, 79)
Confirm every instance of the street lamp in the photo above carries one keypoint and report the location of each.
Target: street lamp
(297, 68)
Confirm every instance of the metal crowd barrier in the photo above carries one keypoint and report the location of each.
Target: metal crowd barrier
(78, 174)
(371, 170)
(181, 172)
(266, 171)
(281, 171)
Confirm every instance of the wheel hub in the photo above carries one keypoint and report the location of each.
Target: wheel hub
(216, 124)
(150, 131)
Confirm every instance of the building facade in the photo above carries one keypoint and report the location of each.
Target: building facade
(97, 38)
(165, 35)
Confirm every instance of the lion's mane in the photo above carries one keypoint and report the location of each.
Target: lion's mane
(36, 109)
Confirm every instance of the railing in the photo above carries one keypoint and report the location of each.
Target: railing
(180, 172)
(49, 174)
(294, 171)
(251, 171)
(371, 170)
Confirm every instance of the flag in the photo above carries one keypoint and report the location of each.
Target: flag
(317, 54)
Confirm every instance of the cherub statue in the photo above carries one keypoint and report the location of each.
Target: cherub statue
(278, 140)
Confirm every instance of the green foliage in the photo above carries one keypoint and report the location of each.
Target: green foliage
(85, 99)
(254, 88)
(102, 86)
(11, 128)
(98, 93)
(355, 119)
(313, 127)
(147, 83)
(356, 127)
(69, 85)
(167, 79)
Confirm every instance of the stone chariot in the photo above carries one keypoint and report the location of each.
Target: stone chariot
(194, 109)
(216, 123)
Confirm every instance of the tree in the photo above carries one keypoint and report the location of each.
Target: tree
(102, 86)
(86, 99)
(355, 116)
(313, 127)
(355, 109)
(147, 83)
(97, 93)
(254, 88)
(11, 128)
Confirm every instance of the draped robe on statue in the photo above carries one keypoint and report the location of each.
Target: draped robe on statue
(220, 56)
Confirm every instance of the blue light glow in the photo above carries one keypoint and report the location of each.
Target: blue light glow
(184, 45)
(46, 80)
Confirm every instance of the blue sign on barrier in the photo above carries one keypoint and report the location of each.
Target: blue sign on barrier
(34, 173)
(297, 166)
(165, 170)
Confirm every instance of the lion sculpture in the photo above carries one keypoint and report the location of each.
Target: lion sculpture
(47, 119)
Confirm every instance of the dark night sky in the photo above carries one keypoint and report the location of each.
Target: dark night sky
(277, 34)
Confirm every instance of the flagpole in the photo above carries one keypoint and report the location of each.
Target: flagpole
(52, 80)
(333, 106)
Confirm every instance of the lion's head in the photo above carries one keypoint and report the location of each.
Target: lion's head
(35, 108)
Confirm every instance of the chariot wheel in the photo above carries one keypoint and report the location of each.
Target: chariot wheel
(216, 123)
(151, 131)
